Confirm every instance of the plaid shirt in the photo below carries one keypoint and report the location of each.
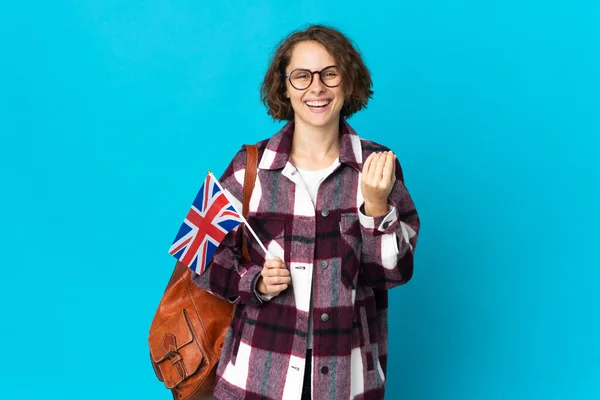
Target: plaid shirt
(331, 250)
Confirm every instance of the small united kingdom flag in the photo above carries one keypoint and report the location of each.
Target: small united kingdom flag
(211, 217)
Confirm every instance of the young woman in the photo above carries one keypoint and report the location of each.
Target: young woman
(340, 227)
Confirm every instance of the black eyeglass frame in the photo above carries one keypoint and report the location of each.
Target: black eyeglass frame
(312, 75)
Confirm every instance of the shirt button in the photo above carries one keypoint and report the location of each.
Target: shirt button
(325, 213)
(386, 224)
(324, 370)
(324, 317)
(324, 264)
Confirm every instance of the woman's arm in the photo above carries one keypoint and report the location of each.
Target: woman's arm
(389, 224)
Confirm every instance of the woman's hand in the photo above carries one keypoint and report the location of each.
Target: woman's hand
(378, 176)
(275, 277)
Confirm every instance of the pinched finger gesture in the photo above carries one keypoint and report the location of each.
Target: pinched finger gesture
(378, 176)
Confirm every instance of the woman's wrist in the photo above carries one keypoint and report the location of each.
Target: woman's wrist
(376, 209)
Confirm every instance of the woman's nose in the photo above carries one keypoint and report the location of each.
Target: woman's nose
(316, 84)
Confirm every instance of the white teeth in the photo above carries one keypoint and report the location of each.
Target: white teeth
(318, 103)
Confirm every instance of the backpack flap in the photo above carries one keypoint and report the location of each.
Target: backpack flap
(174, 350)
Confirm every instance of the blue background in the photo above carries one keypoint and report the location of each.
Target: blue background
(112, 111)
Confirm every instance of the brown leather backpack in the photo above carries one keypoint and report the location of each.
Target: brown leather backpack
(189, 327)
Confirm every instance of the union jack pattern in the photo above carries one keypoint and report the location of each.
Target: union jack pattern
(210, 218)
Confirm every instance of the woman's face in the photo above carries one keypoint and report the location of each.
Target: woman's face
(318, 105)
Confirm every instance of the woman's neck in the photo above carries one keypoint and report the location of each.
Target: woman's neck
(315, 148)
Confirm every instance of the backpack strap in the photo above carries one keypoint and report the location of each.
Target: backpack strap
(249, 181)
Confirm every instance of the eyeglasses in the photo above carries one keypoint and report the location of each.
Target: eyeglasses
(301, 79)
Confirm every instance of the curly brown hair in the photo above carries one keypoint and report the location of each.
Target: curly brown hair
(356, 78)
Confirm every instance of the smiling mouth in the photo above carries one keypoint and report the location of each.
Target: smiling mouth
(317, 104)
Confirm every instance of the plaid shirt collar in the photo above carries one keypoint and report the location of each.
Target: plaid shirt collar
(277, 151)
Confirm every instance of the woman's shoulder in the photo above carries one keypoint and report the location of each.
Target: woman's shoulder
(240, 157)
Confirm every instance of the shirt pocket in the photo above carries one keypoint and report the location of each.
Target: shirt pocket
(350, 248)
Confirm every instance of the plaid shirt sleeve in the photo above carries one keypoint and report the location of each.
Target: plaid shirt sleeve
(388, 241)
(228, 276)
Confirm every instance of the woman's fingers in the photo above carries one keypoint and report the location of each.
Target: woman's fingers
(367, 165)
(373, 170)
(275, 263)
(277, 280)
(378, 170)
(275, 272)
(276, 284)
(377, 181)
(275, 267)
(378, 167)
(389, 169)
(275, 276)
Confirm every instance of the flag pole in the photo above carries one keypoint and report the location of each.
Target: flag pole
(267, 253)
